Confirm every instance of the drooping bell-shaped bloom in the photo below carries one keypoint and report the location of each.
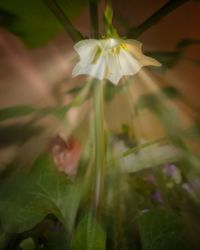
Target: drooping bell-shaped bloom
(110, 58)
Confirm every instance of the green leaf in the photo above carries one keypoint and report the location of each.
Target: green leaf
(58, 111)
(89, 235)
(155, 101)
(27, 198)
(26, 19)
(170, 92)
(160, 230)
(150, 101)
(15, 112)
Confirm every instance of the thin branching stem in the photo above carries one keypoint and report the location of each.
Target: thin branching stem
(155, 18)
(64, 20)
(144, 145)
(94, 18)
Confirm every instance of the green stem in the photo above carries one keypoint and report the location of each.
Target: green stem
(156, 17)
(64, 20)
(99, 139)
(138, 148)
(94, 19)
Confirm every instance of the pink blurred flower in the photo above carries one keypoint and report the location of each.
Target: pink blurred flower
(66, 154)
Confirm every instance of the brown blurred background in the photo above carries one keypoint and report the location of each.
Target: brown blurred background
(28, 75)
(31, 76)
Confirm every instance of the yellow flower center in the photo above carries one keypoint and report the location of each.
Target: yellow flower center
(111, 47)
(115, 50)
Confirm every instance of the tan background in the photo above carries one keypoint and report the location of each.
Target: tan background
(31, 76)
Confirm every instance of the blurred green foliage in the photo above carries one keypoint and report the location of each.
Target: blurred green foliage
(161, 230)
(41, 208)
(15, 112)
(26, 198)
(32, 21)
(89, 235)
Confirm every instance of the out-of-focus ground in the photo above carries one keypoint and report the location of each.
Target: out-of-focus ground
(30, 76)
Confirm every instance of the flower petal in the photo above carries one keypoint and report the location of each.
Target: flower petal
(146, 60)
(110, 58)
(96, 70)
(87, 50)
(135, 48)
(114, 72)
(129, 65)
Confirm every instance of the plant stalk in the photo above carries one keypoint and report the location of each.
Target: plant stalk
(156, 17)
(99, 139)
(144, 145)
(94, 18)
(64, 20)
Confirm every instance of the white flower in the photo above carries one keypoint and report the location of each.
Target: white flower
(110, 58)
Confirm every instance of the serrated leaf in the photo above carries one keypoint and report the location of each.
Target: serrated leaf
(160, 230)
(89, 235)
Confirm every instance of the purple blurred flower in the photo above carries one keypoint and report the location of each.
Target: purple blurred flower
(169, 169)
(172, 171)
